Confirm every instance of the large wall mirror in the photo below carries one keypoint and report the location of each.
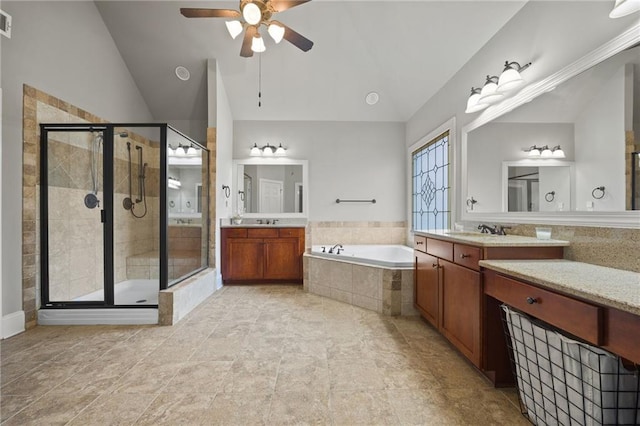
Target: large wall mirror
(271, 187)
(591, 110)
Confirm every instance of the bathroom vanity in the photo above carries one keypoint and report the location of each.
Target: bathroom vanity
(596, 304)
(262, 254)
(449, 282)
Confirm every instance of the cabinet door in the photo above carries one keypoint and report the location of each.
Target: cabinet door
(460, 309)
(243, 259)
(282, 259)
(426, 286)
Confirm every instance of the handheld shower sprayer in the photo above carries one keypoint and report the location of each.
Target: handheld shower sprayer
(91, 200)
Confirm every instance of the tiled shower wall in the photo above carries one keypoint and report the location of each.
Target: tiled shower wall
(75, 232)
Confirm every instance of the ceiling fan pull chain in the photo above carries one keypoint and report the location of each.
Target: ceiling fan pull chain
(259, 80)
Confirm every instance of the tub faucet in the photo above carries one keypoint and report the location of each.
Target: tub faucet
(501, 230)
(334, 247)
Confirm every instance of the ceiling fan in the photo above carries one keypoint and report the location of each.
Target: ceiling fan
(254, 14)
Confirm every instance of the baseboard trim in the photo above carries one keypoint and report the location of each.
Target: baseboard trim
(12, 324)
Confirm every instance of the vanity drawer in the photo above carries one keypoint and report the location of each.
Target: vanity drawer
(467, 256)
(441, 249)
(291, 232)
(573, 316)
(420, 243)
(262, 232)
(235, 232)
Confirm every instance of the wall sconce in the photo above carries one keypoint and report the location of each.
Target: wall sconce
(495, 87)
(182, 151)
(473, 104)
(268, 151)
(490, 93)
(545, 152)
(624, 7)
(510, 78)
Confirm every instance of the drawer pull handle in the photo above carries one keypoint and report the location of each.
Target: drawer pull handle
(532, 300)
(464, 256)
(435, 265)
(419, 243)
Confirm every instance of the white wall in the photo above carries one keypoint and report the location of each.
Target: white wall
(220, 117)
(349, 160)
(493, 143)
(64, 49)
(600, 148)
(543, 32)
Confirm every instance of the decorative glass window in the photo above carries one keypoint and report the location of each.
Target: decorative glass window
(430, 185)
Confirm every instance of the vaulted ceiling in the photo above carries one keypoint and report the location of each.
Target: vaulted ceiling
(404, 50)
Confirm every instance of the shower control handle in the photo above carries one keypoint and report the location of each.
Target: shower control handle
(103, 216)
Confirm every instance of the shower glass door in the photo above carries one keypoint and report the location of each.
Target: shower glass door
(136, 220)
(71, 212)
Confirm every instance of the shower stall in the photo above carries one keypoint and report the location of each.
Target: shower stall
(111, 234)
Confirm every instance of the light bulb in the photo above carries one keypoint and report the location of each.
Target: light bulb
(558, 152)
(276, 32)
(234, 28)
(251, 13)
(509, 79)
(473, 104)
(489, 93)
(257, 44)
(255, 151)
(281, 151)
(624, 8)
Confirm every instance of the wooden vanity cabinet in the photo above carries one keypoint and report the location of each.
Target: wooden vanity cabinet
(449, 288)
(262, 254)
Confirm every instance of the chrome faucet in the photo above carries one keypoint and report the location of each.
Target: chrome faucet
(486, 229)
(334, 247)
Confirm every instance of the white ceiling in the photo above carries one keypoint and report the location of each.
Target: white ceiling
(404, 50)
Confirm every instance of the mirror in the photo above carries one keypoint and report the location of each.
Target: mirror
(528, 186)
(274, 187)
(591, 116)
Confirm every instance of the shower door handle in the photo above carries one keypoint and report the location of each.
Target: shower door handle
(103, 216)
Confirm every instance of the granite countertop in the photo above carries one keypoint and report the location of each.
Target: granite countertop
(490, 240)
(615, 288)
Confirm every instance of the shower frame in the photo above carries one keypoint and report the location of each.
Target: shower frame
(107, 212)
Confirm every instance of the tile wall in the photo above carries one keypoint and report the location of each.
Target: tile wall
(356, 233)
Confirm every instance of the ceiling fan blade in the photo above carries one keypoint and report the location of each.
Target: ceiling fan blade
(246, 51)
(297, 39)
(281, 5)
(209, 13)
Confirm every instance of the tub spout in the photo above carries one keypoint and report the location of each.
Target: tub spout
(334, 247)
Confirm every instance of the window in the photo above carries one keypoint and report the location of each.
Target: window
(430, 185)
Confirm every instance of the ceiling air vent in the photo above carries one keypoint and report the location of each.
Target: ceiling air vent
(5, 24)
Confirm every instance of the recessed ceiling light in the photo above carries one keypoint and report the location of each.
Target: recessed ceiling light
(182, 73)
(372, 98)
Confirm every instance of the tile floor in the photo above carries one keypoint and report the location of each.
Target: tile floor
(248, 355)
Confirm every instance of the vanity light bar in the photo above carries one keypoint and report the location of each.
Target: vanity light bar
(496, 88)
(545, 152)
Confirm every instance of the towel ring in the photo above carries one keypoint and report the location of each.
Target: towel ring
(550, 196)
(241, 195)
(598, 189)
(227, 191)
(470, 202)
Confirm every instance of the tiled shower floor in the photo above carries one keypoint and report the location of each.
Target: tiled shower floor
(248, 355)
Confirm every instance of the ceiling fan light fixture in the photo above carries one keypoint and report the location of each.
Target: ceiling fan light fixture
(257, 44)
(276, 32)
(252, 13)
(234, 28)
(624, 8)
